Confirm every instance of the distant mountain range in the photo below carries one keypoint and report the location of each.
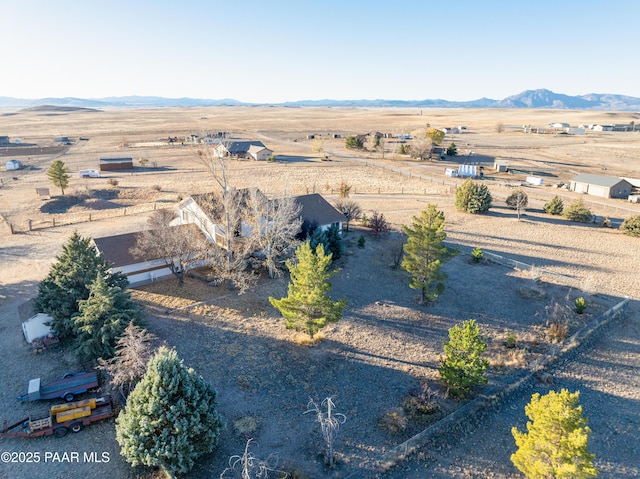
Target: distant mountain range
(528, 99)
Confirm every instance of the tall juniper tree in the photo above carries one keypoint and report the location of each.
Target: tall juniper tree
(69, 280)
(425, 253)
(170, 419)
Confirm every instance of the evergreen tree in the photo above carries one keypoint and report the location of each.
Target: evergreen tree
(557, 439)
(102, 318)
(307, 306)
(354, 143)
(473, 198)
(631, 226)
(318, 237)
(58, 174)
(334, 242)
(425, 253)
(578, 211)
(452, 150)
(463, 365)
(171, 417)
(555, 206)
(69, 280)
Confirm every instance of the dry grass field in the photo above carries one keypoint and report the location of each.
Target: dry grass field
(387, 344)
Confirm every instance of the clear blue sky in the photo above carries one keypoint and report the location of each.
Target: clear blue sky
(280, 50)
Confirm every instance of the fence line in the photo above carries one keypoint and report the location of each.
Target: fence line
(85, 217)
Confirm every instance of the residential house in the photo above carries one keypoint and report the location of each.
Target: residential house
(116, 250)
(318, 213)
(244, 150)
(603, 186)
(204, 211)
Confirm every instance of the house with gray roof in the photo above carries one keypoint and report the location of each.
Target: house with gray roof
(602, 186)
(244, 149)
(318, 213)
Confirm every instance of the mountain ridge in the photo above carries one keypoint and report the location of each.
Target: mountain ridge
(541, 98)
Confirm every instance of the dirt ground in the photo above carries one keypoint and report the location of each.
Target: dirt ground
(386, 345)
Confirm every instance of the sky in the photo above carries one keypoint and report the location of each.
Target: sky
(271, 51)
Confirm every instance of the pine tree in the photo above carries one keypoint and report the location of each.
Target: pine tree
(557, 439)
(425, 253)
(334, 242)
(578, 211)
(69, 280)
(308, 306)
(473, 198)
(102, 318)
(58, 174)
(463, 365)
(171, 417)
(631, 226)
(555, 206)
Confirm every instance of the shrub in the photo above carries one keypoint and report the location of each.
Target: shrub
(558, 331)
(578, 212)
(473, 197)
(606, 222)
(555, 206)
(113, 182)
(631, 226)
(511, 340)
(354, 143)
(394, 420)
(477, 255)
(452, 150)
(581, 305)
(518, 200)
(361, 242)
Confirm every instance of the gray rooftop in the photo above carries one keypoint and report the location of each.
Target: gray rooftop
(598, 180)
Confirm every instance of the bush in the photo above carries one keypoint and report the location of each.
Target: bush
(558, 331)
(581, 305)
(631, 226)
(477, 255)
(511, 340)
(354, 143)
(578, 212)
(518, 200)
(378, 224)
(361, 242)
(555, 206)
(452, 150)
(606, 222)
(113, 182)
(473, 197)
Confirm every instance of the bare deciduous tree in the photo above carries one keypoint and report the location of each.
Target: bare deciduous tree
(274, 225)
(420, 147)
(248, 466)
(330, 423)
(232, 207)
(350, 209)
(178, 246)
(378, 224)
(133, 351)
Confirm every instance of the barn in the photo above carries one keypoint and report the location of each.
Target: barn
(599, 185)
(116, 163)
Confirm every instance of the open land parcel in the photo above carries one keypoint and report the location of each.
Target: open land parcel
(386, 345)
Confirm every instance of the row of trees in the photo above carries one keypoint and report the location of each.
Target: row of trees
(88, 303)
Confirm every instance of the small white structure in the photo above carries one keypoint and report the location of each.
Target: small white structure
(89, 174)
(535, 180)
(451, 172)
(12, 165)
(467, 171)
(35, 327)
(501, 166)
(575, 131)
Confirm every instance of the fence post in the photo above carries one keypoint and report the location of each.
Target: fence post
(54, 222)
(29, 223)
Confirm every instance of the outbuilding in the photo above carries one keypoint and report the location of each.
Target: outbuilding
(37, 326)
(116, 163)
(603, 186)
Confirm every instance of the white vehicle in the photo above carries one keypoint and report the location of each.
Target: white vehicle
(89, 174)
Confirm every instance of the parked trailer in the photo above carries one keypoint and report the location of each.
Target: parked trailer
(62, 418)
(67, 387)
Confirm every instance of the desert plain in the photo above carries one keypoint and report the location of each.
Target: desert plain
(387, 345)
